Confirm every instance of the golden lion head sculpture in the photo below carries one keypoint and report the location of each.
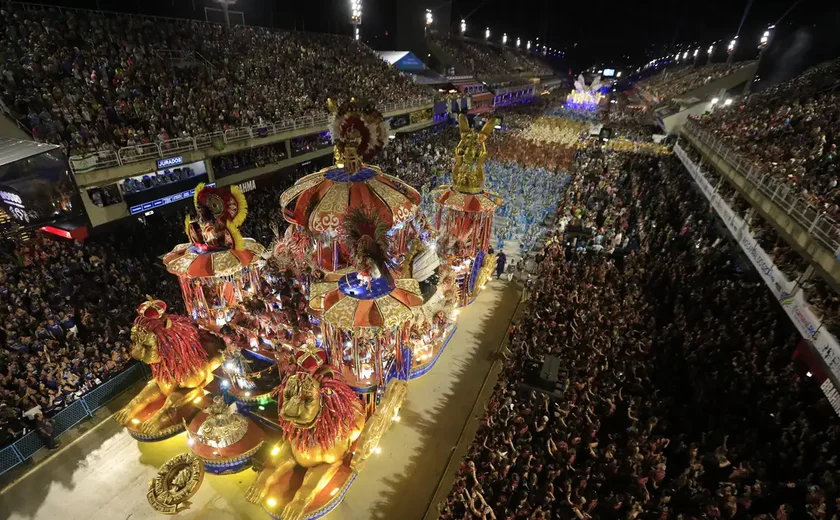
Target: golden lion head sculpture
(315, 407)
(170, 344)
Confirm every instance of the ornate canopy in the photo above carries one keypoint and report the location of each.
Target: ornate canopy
(350, 303)
(485, 201)
(319, 201)
(188, 260)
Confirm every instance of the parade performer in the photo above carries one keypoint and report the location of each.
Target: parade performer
(182, 359)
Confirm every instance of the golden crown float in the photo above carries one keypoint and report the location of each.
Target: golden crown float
(303, 388)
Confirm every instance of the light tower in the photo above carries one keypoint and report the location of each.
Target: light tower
(528, 45)
(429, 20)
(225, 5)
(487, 34)
(356, 17)
(504, 38)
(463, 27)
(731, 50)
(518, 42)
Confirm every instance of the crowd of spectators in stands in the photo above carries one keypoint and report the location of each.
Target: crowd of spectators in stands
(676, 397)
(484, 60)
(789, 131)
(420, 162)
(154, 180)
(91, 80)
(671, 83)
(250, 158)
(822, 298)
(67, 310)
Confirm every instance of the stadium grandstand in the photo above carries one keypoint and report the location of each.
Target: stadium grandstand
(481, 59)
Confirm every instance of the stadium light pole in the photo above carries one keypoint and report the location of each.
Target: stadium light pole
(463, 27)
(710, 52)
(763, 43)
(429, 21)
(696, 55)
(731, 50)
(518, 42)
(225, 5)
(504, 38)
(487, 34)
(528, 45)
(356, 17)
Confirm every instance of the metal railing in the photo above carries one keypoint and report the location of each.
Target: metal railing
(133, 154)
(819, 225)
(77, 411)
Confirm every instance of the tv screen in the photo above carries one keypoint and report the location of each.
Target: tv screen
(37, 190)
(609, 73)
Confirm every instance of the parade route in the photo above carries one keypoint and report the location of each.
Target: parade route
(104, 474)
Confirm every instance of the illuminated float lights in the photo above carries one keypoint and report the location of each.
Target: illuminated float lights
(423, 369)
(337, 495)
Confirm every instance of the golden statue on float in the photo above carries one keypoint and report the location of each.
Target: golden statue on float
(182, 359)
(465, 214)
(470, 154)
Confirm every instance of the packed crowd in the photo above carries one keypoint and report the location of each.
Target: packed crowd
(671, 83)
(822, 298)
(68, 309)
(250, 158)
(529, 196)
(91, 80)
(483, 60)
(153, 180)
(676, 396)
(789, 131)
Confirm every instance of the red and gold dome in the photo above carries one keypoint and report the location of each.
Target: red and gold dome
(319, 201)
(190, 261)
(352, 304)
(485, 201)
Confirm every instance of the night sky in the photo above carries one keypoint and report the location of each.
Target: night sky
(613, 32)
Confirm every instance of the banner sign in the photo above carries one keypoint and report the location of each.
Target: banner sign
(84, 164)
(247, 186)
(175, 197)
(172, 161)
(794, 305)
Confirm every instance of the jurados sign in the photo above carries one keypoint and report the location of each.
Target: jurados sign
(168, 163)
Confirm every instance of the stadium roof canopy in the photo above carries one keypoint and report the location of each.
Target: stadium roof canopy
(12, 150)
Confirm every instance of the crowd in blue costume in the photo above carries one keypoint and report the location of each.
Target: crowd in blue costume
(530, 199)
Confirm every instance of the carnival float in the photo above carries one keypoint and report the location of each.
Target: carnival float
(465, 214)
(585, 97)
(294, 361)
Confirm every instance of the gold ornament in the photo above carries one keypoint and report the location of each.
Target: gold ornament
(485, 272)
(223, 426)
(380, 422)
(176, 482)
(470, 154)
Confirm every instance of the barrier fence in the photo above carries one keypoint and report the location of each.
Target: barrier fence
(25, 447)
(103, 159)
(819, 225)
